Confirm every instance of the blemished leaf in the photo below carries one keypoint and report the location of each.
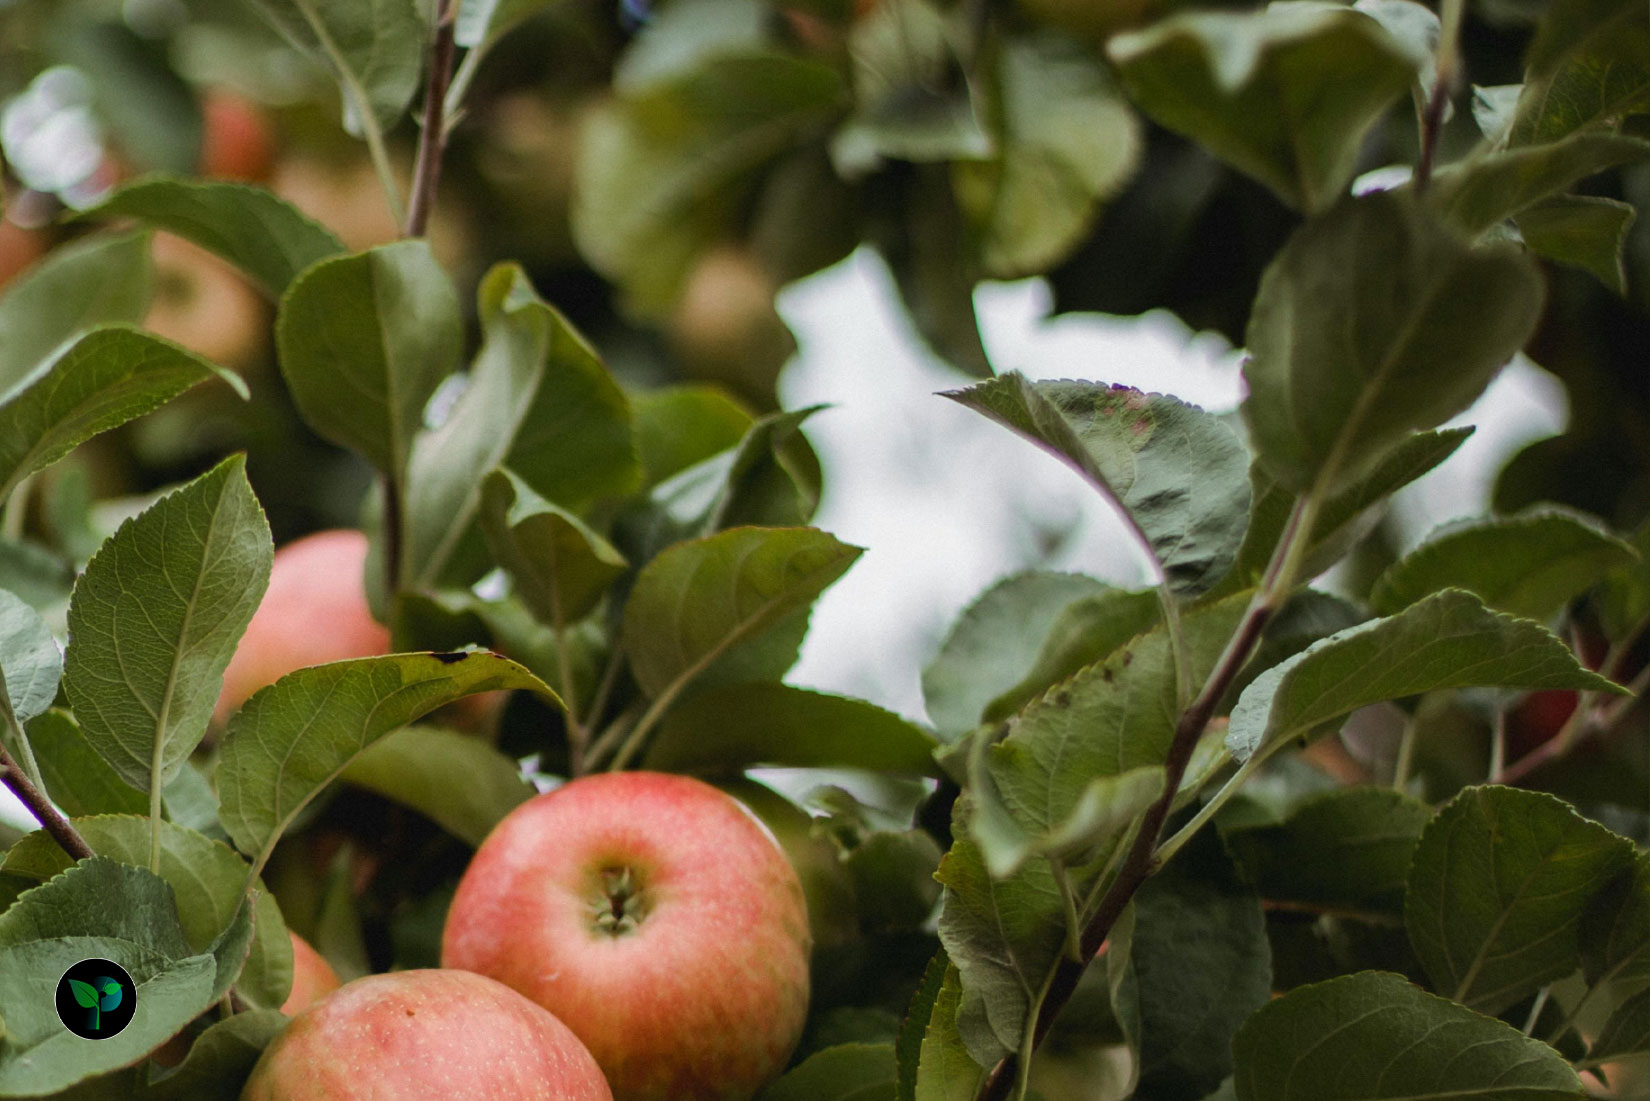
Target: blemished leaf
(733, 727)
(30, 662)
(846, 1072)
(106, 378)
(1347, 849)
(994, 644)
(78, 780)
(1566, 25)
(1583, 231)
(703, 600)
(416, 767)
(484, 22)
(1615, 927)
(1497, 890)
(155, 619)
(102, 280)
(1528, 565)
(1627, 1032)
(265, 236)
(561, 567)
(296, 736)
(208, 880)
(1085, 631)
(1347, 360)
(374, 45)
(1182, 474)
(1202, 965)
(1447, 640)
(100, 908)
(364, 340)
(1596, 86)
(538, 401)
(1476, 193)
(662, 171)
(1285, 94)
(220, 1059)
(1374, 1035)
(1032, 202)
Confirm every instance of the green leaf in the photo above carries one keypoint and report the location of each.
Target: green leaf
(220, 1059)
(846, 1072)
(1103, 813)
(1528, 565)
(730, 728)
(1373, 1035)
(540, 402)
(260, 233)
(85, 994)
(1086, 630)
(296, 736)
(483, 22)
(1595, 87)
(30, 662)
(1347, 849)
(416, 766)
(1476, 193)
(106, 378)
(1285, 94)
(1567, 25)
(908, 1044)
(1447, 640)
(702, 600)
(1034, 200)
(661, 172)
(680, 426)
(364, 340)
(1497, 890)
(207, 877)
(1615, 927)
(561, 567)
(78, 780)
(944, 1071)
(1627, 1032)
(101, 280)
(1181, 473)
(1347, 360)
(155, 619)
(1583, 231)
(373, 46)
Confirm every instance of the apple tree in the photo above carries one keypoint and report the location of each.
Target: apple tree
(1311, 816)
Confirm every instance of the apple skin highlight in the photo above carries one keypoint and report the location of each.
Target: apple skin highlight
(656, 917)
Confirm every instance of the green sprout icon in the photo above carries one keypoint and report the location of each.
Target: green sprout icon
(100, 994)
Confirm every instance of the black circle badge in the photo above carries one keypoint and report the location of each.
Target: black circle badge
(95, 999)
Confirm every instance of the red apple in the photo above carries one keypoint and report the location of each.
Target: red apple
(237, 142)
(314, 611)
(658, 918)
(423, 1035)
(312, 977)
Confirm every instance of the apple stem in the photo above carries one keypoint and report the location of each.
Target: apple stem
(58, 827)
(432, 142)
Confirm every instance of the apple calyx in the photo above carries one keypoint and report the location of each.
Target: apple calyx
(620, 905)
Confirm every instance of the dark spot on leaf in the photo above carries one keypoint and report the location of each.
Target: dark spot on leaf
(1107, 675)
(450, 658)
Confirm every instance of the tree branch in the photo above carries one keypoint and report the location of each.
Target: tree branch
(59, 827)
(432, 143)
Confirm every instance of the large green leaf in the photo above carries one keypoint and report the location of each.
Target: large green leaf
(1447, 640)
(299, 734)
(846, 1072)
(364, 340)
(703, 600)
(374, 48)
(1086, 630)
(1568, 25)
(679, 426)
(1595, 87)
(540, 402)
(1584, 231)
(661, 171)
(263, 235)
(1347, 360)
(944, 1071)
(1181, 473)
(561, 567)
(78, 780)
(207, 878)
(220, 1059)
(30, 662)
(1374, 1035)
(98, 281)
(1285, 94)
(416, 766)
(483, 22)
(106, 378)
(1034, 200)
(1627, 1032)
(1529, 565)
(155, 619)
(732, 727)
(995, 643)
(1480, 191)
(1615, 927)
(1497, 890)
(1346, 849)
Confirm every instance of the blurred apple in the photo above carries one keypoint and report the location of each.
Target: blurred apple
(312, 977)
(347, 199)
(19, 248)
(204, 304)
(724, 327)
(237, 140)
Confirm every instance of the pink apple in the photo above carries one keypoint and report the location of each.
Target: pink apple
(312, 977)
(425, 1036)
(658, 918)
(314, 611)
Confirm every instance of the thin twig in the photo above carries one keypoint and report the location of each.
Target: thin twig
(433, 141)
(1432, 118)
(61, 830)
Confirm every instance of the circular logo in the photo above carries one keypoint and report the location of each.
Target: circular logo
(95, 999)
